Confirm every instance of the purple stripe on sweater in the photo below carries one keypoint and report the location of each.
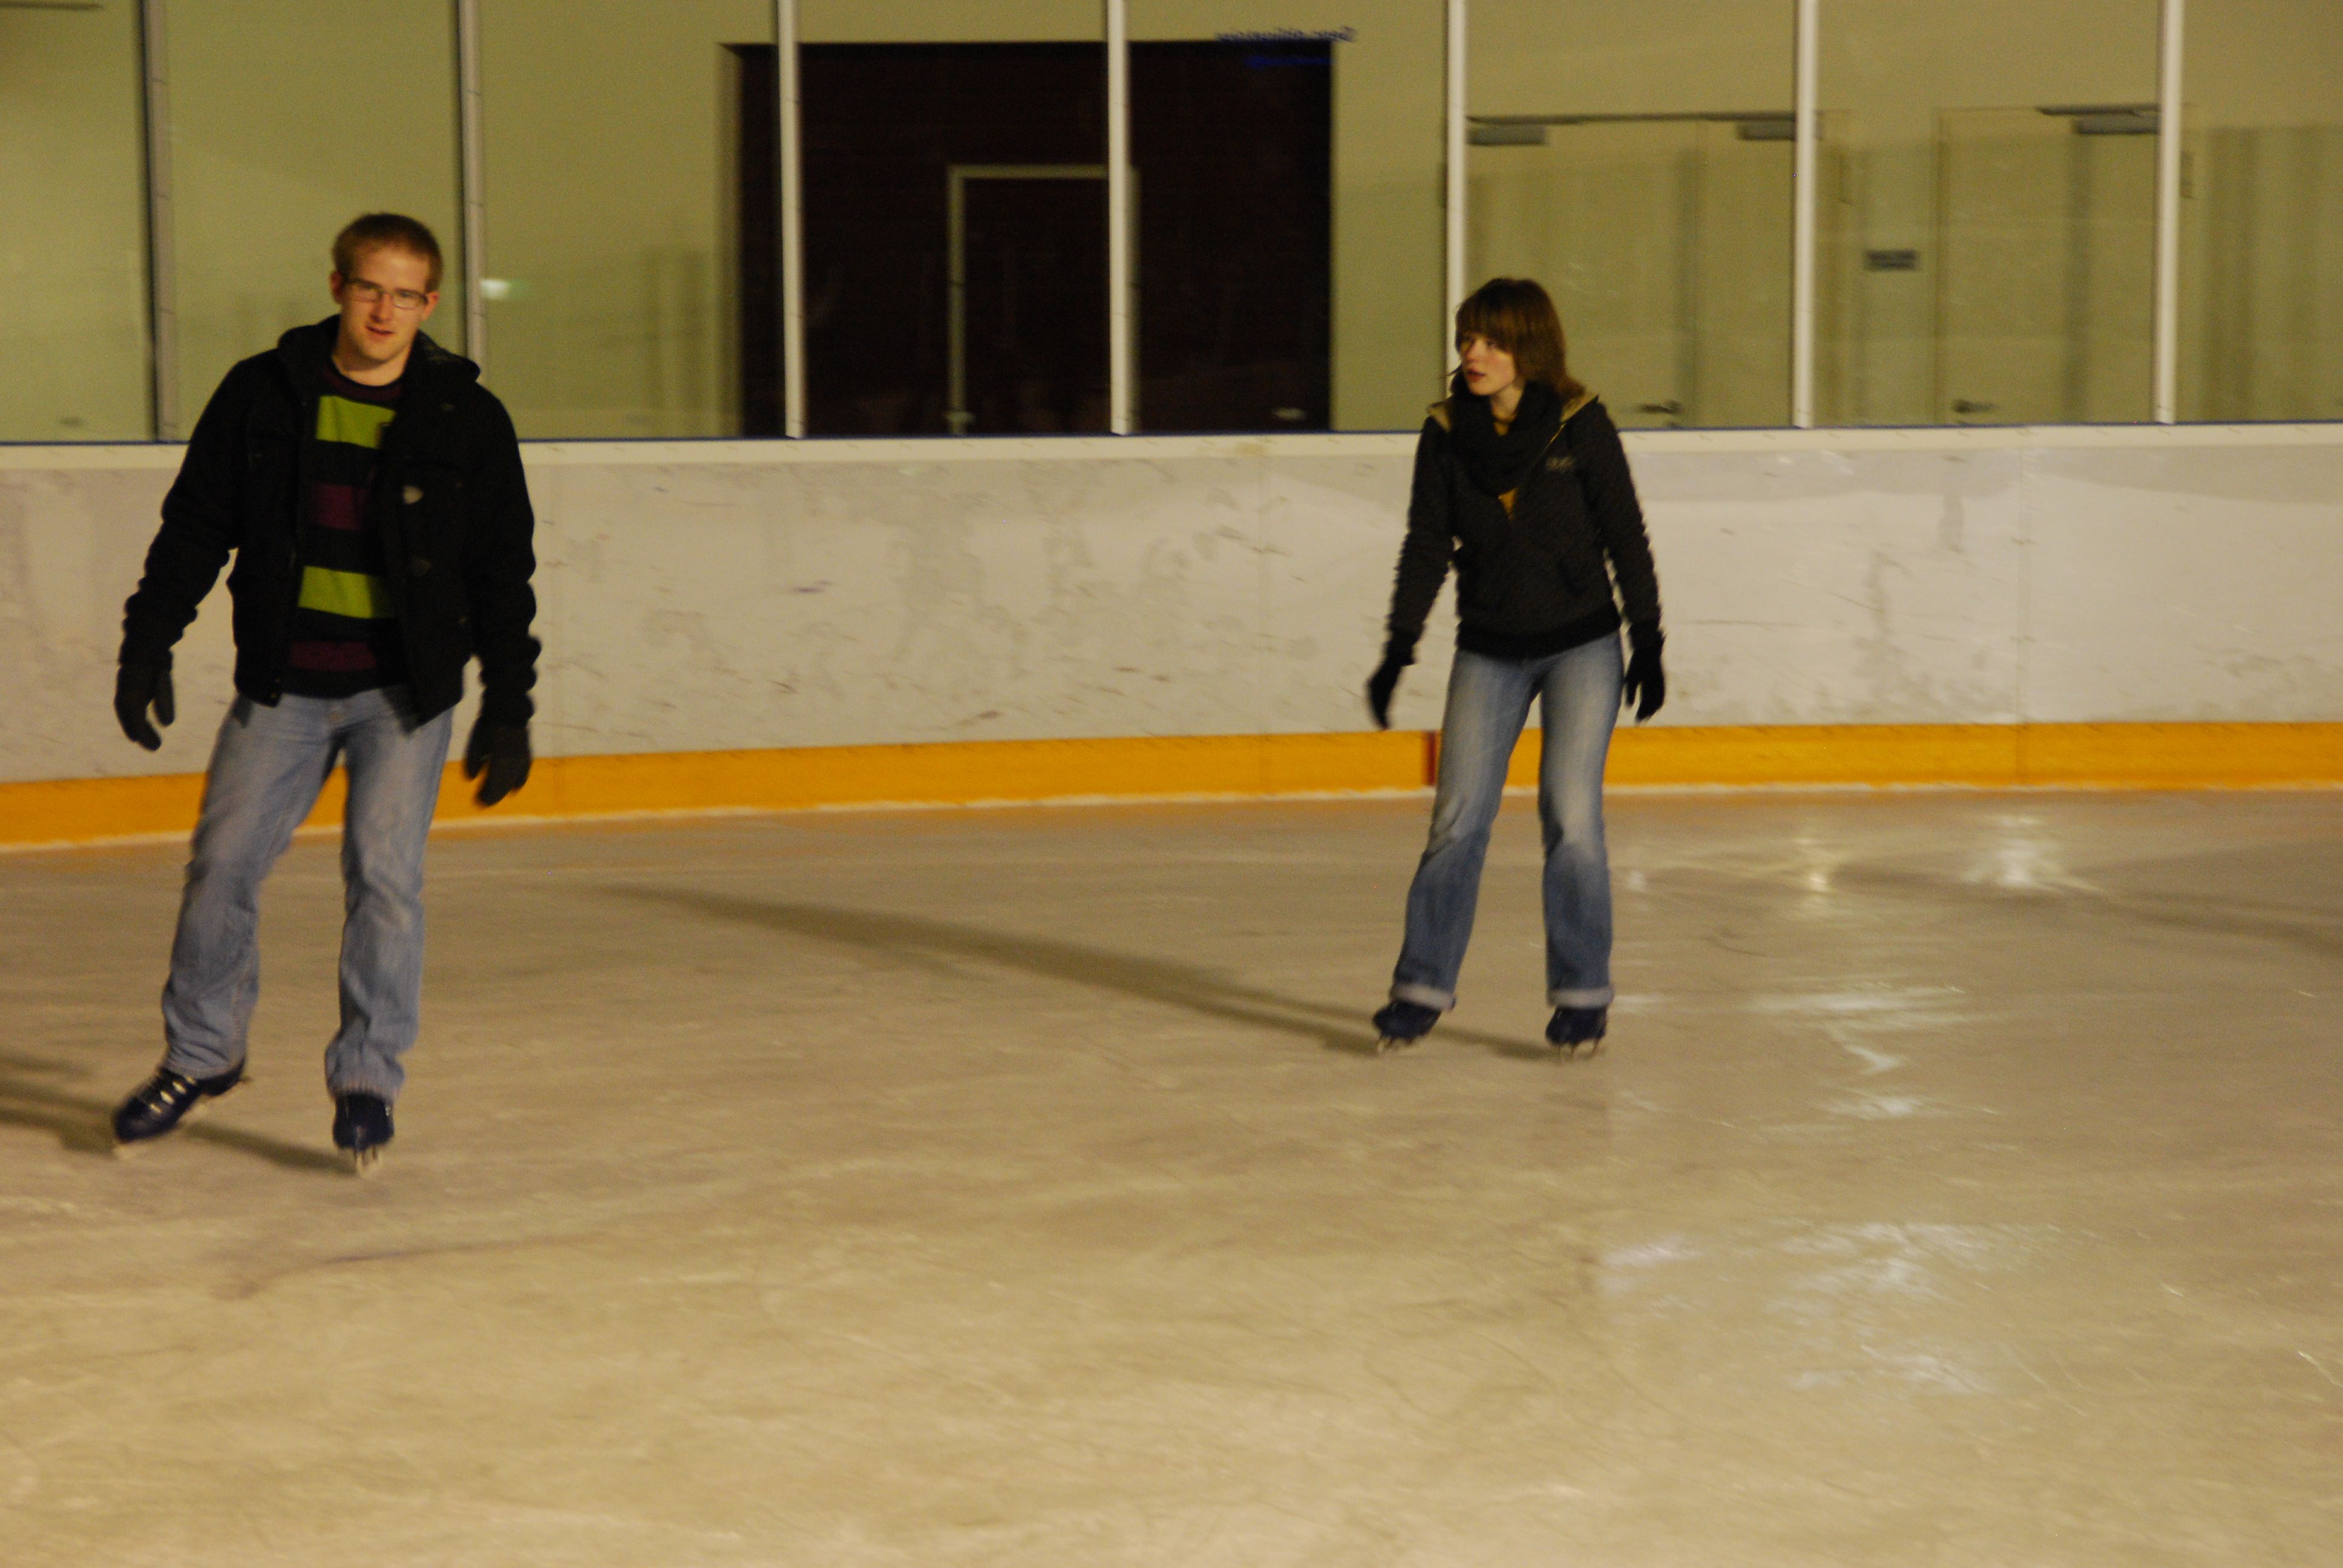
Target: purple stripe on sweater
(340, 507)
(339, 658)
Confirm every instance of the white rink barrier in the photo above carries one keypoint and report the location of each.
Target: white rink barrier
(741, 595)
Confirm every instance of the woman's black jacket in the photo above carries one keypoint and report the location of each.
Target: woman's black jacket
(448, 498)
(1535, 581)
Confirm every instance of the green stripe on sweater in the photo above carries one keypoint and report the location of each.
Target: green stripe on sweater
(357, 595)
(348, 420)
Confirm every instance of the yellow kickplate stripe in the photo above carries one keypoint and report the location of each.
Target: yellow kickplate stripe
(2070, 756)
(357, 423)
(967, 773)
(357, 595)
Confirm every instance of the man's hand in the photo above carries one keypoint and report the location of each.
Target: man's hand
(499, 751)
(1646, 684)
(1380, 687)
(137, 686)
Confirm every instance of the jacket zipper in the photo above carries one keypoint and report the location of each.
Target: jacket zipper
(305, 419)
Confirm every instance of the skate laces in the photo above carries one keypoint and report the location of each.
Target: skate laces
(164, 1090)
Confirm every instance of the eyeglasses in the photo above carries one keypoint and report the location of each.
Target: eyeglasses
(365, 292)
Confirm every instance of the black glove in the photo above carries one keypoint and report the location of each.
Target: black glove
(1646, 684)
(501, 752)
(1381, 684)
(135, 686)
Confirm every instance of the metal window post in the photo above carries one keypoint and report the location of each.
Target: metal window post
(468, 141)
(2167, 213)
(1454, 290)
(162, 266)
(792, 201)
(1118, 216)
(1802, 243)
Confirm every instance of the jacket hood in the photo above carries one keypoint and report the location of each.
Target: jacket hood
(304, 349)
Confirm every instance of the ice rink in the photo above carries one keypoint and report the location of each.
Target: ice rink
(1962, 1186)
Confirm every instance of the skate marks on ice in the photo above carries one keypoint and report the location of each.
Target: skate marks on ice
(2211, 895)
(33, 1096)
(925, 942)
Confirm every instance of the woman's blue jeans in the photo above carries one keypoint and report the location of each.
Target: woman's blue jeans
(267, 771)
(1488, 704)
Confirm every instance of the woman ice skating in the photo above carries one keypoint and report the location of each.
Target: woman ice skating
(1521, 477)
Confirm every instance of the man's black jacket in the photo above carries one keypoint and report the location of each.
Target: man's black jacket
(1534, 581)
(448, 499)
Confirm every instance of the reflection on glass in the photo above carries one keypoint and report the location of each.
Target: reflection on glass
(1987, 212)
(1638, 162)
(288, 119)
(1291, 229)
(613, 139)
(2261, 296)
(72, 257)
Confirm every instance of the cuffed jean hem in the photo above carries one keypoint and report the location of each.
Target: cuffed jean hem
(382, 1089)
(1601, 997)
(1424, 996)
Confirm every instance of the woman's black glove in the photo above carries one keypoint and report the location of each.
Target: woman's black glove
(1646, 684)
(501, 752)
(1381, 684)
(136, 687)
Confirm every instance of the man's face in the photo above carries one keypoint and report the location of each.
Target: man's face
(385, 302)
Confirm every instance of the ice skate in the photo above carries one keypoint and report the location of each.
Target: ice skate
(1572, 1027)
(1401, 1024)
(362, 1130)
(165, 1101)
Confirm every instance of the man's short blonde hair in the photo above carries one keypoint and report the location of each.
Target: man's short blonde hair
(386, 231)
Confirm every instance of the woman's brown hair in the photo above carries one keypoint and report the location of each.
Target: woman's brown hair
(1518, 316)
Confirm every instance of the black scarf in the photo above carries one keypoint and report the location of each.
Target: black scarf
(1496, 464)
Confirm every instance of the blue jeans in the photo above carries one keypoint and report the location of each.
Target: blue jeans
(266, 770)
(1488, 703)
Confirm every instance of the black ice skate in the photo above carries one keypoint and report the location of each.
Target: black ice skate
(163, 1102)
(1401, 1024)
(1573, 1027)
(362, 1130)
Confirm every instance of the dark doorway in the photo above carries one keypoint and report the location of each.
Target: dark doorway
(756, 158)
(1235, 148)
(1034, 333)
(1232, 153)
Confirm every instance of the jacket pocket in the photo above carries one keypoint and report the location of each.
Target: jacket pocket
(1566, 529)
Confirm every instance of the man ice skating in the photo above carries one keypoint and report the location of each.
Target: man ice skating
(370, 490)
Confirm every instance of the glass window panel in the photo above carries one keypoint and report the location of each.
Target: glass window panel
(1987, 212)
(955, 217)
(1290, 233)
(73, 239)
(288, 119)
(1637, 161)
(611, 142)
(2261, 292)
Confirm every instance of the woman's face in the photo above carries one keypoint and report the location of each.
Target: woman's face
(1488, 369)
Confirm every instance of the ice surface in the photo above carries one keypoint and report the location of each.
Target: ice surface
(1017, 1188)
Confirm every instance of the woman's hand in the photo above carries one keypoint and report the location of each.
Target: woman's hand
(1646, 684)
(1381, 684)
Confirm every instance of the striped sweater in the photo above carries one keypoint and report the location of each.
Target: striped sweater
(345, 634)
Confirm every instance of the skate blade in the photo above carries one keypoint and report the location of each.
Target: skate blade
(1390, 1045)
(363, 1162)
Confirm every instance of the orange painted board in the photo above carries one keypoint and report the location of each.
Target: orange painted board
(2081, 756)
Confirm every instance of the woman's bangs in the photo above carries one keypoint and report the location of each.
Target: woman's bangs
(1478, 317)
